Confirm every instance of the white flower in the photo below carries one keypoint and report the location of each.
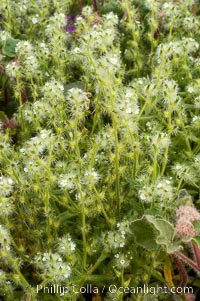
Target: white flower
(67, 181)
(24, 48)
(35, 19)
(87, 11)
(52, 265)
(31, 63)
(114, 60)
(190, 89)
(6, 206)
(129, 111)
(12, 69)
(53, 90)
(76, 50)
(4, 237)
(110, 19)
(6, 186)
(4, 35)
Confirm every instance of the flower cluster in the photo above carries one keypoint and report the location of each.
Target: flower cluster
(162, 191)
(174, 48)
(53, 90)
(66, 246)
(4, 237)
(52, 266)
(13, 69)
(24, 48)
(105, 144)
(117, 239)
(39, 143)
(186, 215)
(78, 100)
(6, 186)
(67, 181)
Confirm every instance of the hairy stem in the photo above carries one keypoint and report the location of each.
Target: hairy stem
(196, 253)
(189, 261)
(182, 271)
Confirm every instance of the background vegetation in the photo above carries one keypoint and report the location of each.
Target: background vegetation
(99, 147)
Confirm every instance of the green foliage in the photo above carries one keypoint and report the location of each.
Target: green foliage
(150, 232)
(165, 233)
(112, 6)
(144, 234)
(9, 47)
(99, 146)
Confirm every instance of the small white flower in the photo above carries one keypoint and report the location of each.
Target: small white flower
(114, 60)
(35, 19)
(4, 35)
(191, 89)
(24, 48)
(77, 50)
(12, 69)
(129, 111)
(10, 181)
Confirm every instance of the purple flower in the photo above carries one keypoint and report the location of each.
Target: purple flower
(71, 28)
(68, 18)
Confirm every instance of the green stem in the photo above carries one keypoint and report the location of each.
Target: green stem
(83, 216)
(116, 163)
(167, 148)
(122, 283)
(170, 30)
(16, 269)
(155, 166)
(102, 257)
(84, 232)
(185, 134)
(179, 185)
(34, 93)
(47, 214)
(8, 15)
(152, 37)
(102, 207)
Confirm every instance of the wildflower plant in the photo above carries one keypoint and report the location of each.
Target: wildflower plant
(99, 148)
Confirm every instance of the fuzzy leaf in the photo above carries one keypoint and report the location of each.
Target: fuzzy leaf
(144, 234)
(154, 212)
(9, 47)
(166, 233)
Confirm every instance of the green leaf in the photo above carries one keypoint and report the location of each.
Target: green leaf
(165, 233)
(150, 232)
(9, 47)
(154, 212)
(144, 234)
